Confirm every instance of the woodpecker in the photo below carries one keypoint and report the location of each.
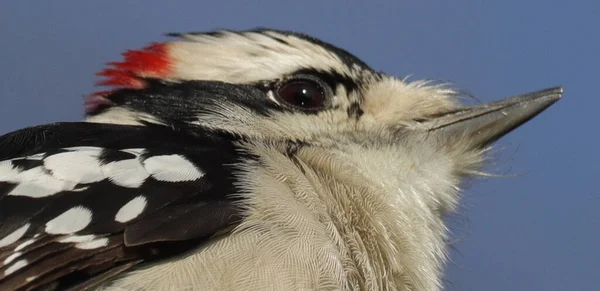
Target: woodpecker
(245, 160)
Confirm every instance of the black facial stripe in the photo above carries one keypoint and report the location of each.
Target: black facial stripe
(178, 103)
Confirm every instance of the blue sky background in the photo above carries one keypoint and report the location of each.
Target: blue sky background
(536, 230)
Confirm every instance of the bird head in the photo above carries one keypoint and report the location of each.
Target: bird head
(278, 86)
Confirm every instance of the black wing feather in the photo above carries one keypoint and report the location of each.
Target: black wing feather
(178, 215)
(181, 222)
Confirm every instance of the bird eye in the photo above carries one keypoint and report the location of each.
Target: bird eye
(303, 93)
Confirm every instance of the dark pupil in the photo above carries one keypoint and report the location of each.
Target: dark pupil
(302, 94)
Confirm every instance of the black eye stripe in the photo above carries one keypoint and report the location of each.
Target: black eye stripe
(331, 80)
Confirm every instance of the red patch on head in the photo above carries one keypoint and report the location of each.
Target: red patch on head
(150, 62)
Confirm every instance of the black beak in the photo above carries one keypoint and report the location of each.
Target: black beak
(484, 124)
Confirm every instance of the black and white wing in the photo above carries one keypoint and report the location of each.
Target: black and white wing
(82, 202)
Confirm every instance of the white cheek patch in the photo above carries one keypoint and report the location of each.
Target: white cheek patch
(172, 168)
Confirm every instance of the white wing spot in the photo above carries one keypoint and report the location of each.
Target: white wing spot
(79, 165)
(126, 173)
(172, 168)
(85, 149)
(8, 172)
(93, 244)
(14, 236)
(72, 220)
(36, 157)
(25, 244)
(77, 238)
(16, 266)
(31, 278)
(12, 257)
(36, 183)
(80, 189)
(134, 151)
(131, 209)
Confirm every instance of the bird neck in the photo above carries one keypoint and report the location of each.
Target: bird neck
(387, 206)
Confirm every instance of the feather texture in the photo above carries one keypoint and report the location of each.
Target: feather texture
(199, 172)
(75, 211)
